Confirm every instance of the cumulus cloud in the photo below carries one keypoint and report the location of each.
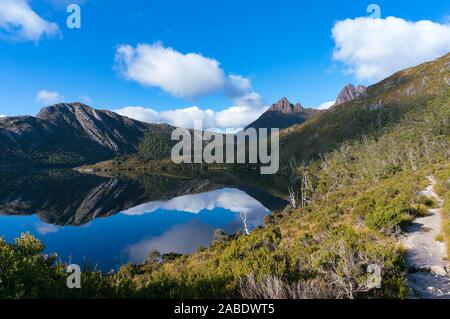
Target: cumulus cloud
(20, 23)
(181, 75)
(187, 76)
(373, 49)
(48, 97)
(237, 85)
(1, 115)
(245, 110)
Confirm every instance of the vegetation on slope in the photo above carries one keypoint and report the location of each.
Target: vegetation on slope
(385, 104)
(320, 250)
(360, 190)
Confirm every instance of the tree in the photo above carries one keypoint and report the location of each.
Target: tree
(155, 146)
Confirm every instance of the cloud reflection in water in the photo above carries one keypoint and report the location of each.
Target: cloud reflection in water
(186, 237)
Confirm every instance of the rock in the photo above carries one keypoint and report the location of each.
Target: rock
(434, 291)
(298, 107)
(283, 114)
(438, 270)
(284, 106)
(349, 93)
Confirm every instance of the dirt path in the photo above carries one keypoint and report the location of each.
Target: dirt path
(428, 271)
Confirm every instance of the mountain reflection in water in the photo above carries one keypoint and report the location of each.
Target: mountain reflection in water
(112, 221)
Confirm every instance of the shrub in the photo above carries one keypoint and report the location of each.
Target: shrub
(154, 146)
(387, 205)
(25, 272)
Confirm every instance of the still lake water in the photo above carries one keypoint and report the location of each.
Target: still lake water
(109, 223)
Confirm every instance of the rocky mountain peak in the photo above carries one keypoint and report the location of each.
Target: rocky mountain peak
(65, 110)
(283, 114)
(284, 106)
(350, 92)
(298, 107)
(74, 132)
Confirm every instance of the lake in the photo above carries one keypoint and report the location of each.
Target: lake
(107, 222)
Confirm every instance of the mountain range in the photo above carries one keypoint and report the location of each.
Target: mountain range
(75, 134)
(362, 112)
(70, 134)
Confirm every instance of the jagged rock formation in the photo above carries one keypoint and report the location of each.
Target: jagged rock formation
(282, 115)
(284, 106)
(69, 134)
(349, 93)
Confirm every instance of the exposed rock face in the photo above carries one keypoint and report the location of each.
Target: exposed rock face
(349, 93)
(108, 129)
(70, 134)
(284, 106)
(282, 115)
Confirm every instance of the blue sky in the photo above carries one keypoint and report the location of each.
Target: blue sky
(281, 48)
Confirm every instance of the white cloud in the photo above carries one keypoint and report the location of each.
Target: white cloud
(48, 97)
(237, 85)
(187, 75)
(246, 109)
(373, 49)
(20, 23)
(325, 105)
(181, 75)
(1, 115)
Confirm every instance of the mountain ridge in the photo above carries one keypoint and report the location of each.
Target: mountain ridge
(70, 133)
(382, 104)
